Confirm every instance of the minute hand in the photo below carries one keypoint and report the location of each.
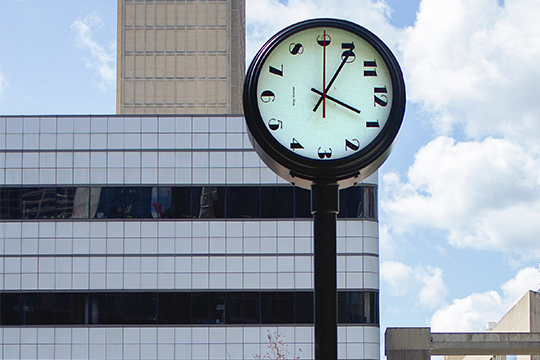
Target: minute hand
(337, 101)
(346, 57)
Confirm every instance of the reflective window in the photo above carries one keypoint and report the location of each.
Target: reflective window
(221, 202)
(358, 307)
(125, 202)
(303, 308)
(277, 308)
(10, 203)
(47, 203)
(276, 202)
(243, 308)
(210, 307)
(174, 308)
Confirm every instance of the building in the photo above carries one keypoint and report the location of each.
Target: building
(180, 57)
(149, 235)
(516, 333)
(129, 237)
(523, 317)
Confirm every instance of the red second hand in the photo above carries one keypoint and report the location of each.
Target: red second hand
(324, 77)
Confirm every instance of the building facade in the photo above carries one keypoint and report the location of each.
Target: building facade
(134, 237)
(523, 317)
(180, 57)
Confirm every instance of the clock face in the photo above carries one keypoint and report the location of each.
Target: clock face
(324, 94)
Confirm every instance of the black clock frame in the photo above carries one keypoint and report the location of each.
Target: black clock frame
(304, 171)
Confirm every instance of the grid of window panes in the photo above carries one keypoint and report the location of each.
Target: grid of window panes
(174, 308)
(224, 202)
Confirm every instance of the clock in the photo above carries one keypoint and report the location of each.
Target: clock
(324, 100)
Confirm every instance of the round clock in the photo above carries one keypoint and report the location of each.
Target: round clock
(324, 100)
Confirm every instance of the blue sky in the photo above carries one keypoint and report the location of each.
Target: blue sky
(460, 194)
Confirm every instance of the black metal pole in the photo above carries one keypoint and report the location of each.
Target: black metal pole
(325, 207)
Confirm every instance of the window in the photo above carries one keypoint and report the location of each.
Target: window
(206, 202)
(358, 307)
(210, 308)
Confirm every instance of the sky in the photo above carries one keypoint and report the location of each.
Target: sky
(459, 197)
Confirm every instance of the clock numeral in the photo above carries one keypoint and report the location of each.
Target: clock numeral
(348, 54)
(267, 96)
(325, 154)
(276, 71)
(296, 145)
(372, 124)
(324, 40)
(274, 124)
(370, 64)
(354, 144)
(296, 49)
(381, 100)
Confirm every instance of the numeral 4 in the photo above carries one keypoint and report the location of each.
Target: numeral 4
(296, 145)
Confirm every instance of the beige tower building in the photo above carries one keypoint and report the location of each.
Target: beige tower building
(180, 56)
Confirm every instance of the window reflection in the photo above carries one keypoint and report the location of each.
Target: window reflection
(10, 203)
(161, 203)
(277, 308)
(47, 203)
(221, 202)
(208, 308)
(211, 204)
(125, 202)
(214, 307)
(243, 308)
(358, 307)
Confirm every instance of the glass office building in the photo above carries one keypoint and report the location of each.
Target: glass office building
(166, 237)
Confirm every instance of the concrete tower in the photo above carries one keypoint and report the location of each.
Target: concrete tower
(180, 57)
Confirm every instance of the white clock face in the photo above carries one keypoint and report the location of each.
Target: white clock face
(324, 93)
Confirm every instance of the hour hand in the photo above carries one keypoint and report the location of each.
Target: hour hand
(339, 102)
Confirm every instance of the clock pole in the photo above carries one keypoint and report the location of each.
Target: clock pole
(289, 137)
(325, 207)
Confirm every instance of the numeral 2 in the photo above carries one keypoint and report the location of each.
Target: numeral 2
(354, 144)
(381, 100)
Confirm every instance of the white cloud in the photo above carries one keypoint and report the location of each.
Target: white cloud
(526, 279)
(473, 64)
(474, 311)
(399, 277)
(427, 282)
(266, 17)
(388, 247)
(468, 314)
(101, 59)
(485, 194)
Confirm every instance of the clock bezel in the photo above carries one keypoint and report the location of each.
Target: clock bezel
(289, 164)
